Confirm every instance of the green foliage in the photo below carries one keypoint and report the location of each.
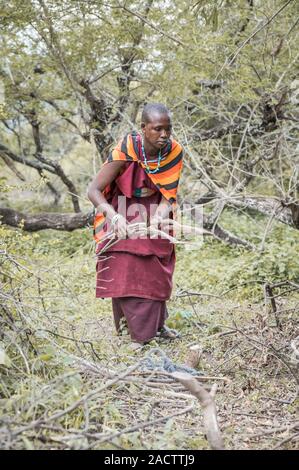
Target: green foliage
(65, 243)
(219, 267)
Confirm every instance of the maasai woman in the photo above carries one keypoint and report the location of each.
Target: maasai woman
(136, 187)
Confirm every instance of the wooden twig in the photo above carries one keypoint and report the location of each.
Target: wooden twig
(269, 295)
(285, 440)
(208, 405)
(285, 427)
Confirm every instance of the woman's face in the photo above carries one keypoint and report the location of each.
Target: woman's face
(156, 133)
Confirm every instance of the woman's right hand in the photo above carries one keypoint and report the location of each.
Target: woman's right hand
(120, 227)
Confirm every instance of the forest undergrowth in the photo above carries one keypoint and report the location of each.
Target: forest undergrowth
(67, 381)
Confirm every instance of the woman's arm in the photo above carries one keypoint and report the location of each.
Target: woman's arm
(105, 176)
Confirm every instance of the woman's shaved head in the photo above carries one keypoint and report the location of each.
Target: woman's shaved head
(153, 109)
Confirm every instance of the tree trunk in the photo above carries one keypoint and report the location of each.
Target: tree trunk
(46, 220)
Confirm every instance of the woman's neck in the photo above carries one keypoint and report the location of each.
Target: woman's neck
(150, 150)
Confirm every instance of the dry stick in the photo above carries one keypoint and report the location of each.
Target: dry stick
(285, 427)
(133, 228)
(240, 285)
(231, 358)
(88, 366)
(75, 340)
(267, 229)
(285, 402)
(186, 293)
(269, 295)
(209, 408)
(195, 311)
(287, 439)
(285, 283)
(168, 374)
(281, 294)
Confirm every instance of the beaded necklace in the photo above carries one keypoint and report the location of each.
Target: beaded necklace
(145, 160)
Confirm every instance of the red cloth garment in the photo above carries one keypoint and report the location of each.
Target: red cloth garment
(141, 267)
(124, 274)
(144, 317)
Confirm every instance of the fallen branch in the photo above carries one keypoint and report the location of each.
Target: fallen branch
(46, 220)
(209, 408)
